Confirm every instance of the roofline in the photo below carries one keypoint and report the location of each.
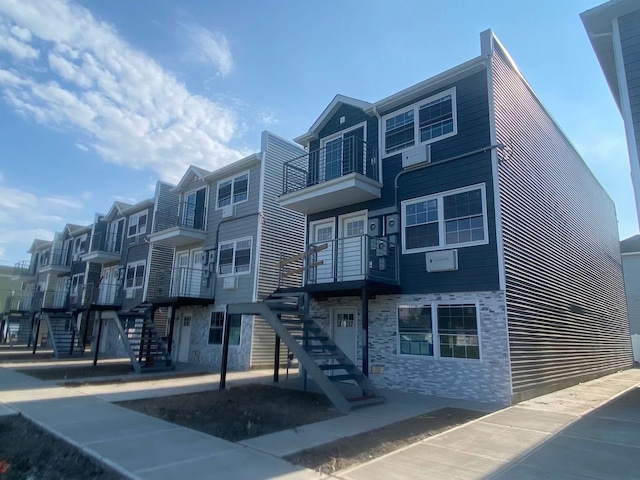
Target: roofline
(227, 169)
(191, 170)
(147, 202)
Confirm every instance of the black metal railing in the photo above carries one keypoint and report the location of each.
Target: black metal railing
(350, 155)
(183, 214)
(181, 282)
(359, 257)
(105, 242)
(13, 304)
(24, 268)
(108, 293)
(56, 258)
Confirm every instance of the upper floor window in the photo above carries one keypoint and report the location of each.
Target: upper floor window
(234, 257)
(457, 218)
(135, 274)
(137, 223)
(436, 119)
(233, 190)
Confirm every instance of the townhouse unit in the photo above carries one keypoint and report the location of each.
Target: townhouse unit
(630, 250)
(457, 245)
(219, 237)
(11, 302)
(614, 31)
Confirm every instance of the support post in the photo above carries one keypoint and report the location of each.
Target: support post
(365, 326)
(225, 351)
(276, 360)
(35, 339)
(85, 332)
(97, 345)
(33, 325)
(171, 323)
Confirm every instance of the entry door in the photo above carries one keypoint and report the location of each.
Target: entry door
(343, 154)
(195, 273)
(181, 277)
(194, 209)
(114, 237)
(108, 286)
(60, 292)
(185, 338)
(322, 233)
(352, 247)
(343, 321)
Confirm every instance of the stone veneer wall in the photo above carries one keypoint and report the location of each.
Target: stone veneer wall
(200, 352)
(113, 343)
(487, 380)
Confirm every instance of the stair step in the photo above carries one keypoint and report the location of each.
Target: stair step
(335, 366)
(363, 401)
(325, 356)
(320, 338)
(341, 378)
(319, 347)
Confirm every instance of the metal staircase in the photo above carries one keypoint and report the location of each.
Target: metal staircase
(25, 328)
(147, 351)
(63, 334)
(324, 362)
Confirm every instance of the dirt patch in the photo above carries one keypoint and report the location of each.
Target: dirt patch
(17, 355)
(134, 378)
(27, 452)
(361, 448)
(62, 372)
(239, 413)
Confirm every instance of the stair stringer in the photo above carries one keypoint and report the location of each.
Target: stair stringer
(47, 320)
(112, 315)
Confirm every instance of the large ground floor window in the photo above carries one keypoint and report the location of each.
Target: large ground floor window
(216, 328)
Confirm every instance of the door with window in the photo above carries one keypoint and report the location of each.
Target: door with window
(194, 209)
(181, 277)
(114, 237)
(343, 322)
(322, 238)
(185, 339)
(352, 247)
(107, 290)
(195, 274)
(343, 154)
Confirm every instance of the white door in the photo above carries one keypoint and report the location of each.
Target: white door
(195, 275)
(352, 247)
(107, 292)
(343, 322)
(322, 234)
(180, 279)
(185, 338)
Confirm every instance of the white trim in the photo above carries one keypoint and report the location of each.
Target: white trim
(233, 264)
(137, 216)
(232, 180)
(415, 107)
(437, 356)
(347, 216)
(205, 204)
(313, 224)
(625, 107)
(135, 266)
(341, 134)
(261, 188)
(442, 245)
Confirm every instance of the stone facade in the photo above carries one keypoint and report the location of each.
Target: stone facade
(200, 352)
(486, 380)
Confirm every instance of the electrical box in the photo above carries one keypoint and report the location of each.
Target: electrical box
(392, 224)
(382, 247)
(374, 227)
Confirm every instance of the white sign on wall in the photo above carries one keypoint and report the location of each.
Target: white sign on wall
(442, 261)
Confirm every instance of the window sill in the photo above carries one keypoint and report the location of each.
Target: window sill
(447, 247)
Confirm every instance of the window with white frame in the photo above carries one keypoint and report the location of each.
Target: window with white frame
(432, 119)
(455, 326)
(234, 257)
(233, 190)
(216, 329)
(134, 277)
(137, 223)
(457, 218)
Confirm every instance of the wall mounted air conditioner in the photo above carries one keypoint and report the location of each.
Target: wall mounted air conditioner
(229, 211)
(229, 283)
(131, 293)
(416, 156)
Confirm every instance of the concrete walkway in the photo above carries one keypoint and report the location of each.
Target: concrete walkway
(590, 430)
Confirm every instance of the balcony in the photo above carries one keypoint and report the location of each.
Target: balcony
(179, 225)
(15, 304)
(345, 264)
(187, 286)
(342, 173)
(102, 296)
(105, 248)
(24, 271)
(56, 262)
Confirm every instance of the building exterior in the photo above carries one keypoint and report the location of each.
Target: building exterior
(630, 250)
(11, 303)
(614, 32)
(457, 244)
(221, 237)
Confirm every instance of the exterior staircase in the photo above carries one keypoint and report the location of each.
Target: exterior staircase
(147, 351)
(324, 362)
(63, 334)
(25, 327)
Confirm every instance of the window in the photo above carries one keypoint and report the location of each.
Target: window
(437, 119)
(233, 190)
(451, 219)
(454, 326)
(135, 275)
(137, 223)
(80, 245)
(234, 257)
(216, 329)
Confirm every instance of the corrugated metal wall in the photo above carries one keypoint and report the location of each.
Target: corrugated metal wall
(566, 309)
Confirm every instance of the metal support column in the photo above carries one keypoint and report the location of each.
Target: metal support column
(225, 351)
(35, 339)
(365, 326)
(171, 322)
(97, 345)
(276, 360)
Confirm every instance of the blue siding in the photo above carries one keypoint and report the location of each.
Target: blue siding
(353, 116)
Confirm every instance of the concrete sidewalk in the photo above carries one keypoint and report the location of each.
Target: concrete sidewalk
(591, 430)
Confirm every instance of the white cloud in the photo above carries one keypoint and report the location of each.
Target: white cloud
(210, 48)
(14, 46)
(125, 106)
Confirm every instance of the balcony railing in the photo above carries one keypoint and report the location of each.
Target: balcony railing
(181, 282)
(340, 158)
(105, 242)
(56, 258)
(359, 257)
(14, 304)
(24, 269)
(183, 215)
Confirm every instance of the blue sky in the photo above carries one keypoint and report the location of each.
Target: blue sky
(98, 100)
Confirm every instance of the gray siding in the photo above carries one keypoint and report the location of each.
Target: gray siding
(165, 199)
(133, 253)
(566, 310)
(630, 39)
(631, 267)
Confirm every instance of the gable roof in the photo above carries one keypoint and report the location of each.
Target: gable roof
(146, 203)
(116, 209)
(39, 244)
(188, 177)
(630, 245)
(328, 112)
